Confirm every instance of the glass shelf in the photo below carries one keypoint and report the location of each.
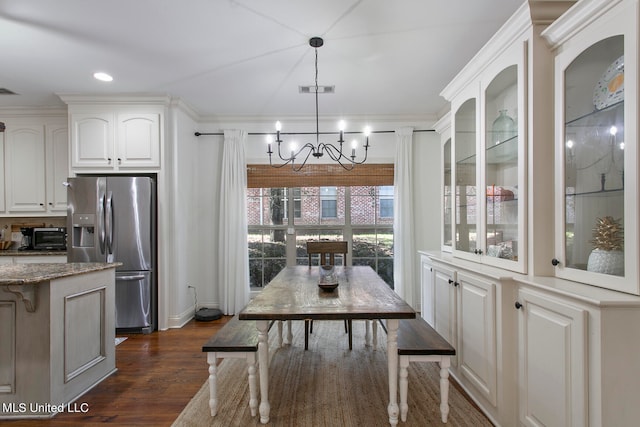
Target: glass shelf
(505, 152)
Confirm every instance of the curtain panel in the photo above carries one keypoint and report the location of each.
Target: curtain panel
(403, 229)
(233, 263)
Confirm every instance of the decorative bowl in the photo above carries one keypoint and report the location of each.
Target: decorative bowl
(328, 287)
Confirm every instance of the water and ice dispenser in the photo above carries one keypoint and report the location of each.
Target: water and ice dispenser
(84, 227)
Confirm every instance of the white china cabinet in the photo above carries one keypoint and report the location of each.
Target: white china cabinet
(491, 105)
(596, 136)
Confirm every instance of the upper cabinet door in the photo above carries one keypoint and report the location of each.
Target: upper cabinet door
(138, 140)
(465, 125)
(596, 149)
(504, 183)
(92, 140)
(25, 167)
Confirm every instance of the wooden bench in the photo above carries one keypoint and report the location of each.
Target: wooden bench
(237, 339)
(419, 342)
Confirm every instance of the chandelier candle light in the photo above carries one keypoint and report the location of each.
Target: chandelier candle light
(318, 150)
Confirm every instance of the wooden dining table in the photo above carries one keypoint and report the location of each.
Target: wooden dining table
(294, 294)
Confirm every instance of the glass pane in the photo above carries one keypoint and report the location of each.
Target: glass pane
(266, 206)
(267, 255)
(465, 157)
(501, 161)
(594, 159)
(321, 205)
(446, 201)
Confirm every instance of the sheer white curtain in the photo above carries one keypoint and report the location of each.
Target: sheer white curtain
(403, 253)
(233, 262)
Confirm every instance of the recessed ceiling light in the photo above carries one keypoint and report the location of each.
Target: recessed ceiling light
(103, 77)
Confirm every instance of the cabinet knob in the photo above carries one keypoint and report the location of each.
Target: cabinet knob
(109, 160)
(50, 204)
(41, 204)
(119, 160)
(518, 305)
(456, 284)
(555, 262)
(478, 251)
(450, 281)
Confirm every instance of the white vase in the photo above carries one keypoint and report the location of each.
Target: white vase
(606, 262)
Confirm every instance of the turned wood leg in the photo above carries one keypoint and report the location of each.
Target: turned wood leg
(444, 387)
(280, 333)
(213, 386)
(289, 333)
(253, 386)
(404, 387)
(367, 334)
(263, 363)
(392, 357)
(374, 327)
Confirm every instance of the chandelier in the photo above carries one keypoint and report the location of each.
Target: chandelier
(318, 149)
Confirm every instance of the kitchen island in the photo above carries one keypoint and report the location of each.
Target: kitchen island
(57, 335)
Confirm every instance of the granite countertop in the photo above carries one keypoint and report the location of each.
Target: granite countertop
(16, 252)
(23, 274)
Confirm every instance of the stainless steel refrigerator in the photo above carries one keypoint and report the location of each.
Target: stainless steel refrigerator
(113, 219)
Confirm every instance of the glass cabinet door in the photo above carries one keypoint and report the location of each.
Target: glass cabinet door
(594, 158)
(501, 172)
(465, 176)
(447, 206)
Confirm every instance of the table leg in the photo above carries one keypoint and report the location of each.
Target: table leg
(392, 357)
(263, 364)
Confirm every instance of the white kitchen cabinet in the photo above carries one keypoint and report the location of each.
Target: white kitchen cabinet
(552, 361)
(443, 127)
(36, 165)
(57, 161)
(115, 140)
(476, 350)
(596, 133)
(427, 290)
(578, 354)
(473, 310)
(25, 168)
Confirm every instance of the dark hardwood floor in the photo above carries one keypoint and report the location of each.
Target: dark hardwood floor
(157, 376)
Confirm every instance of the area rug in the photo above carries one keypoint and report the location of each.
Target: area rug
(120, 339)
(328, 385)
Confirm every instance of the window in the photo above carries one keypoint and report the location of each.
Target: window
(329, 202)
(354, 214)
(386, 201)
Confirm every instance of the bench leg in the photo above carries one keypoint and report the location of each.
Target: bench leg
(306, 334)
(280, 333)
(444, 387)
(253, 383)
(213, 386)
(404, 387)
(367, 333)
(289, 333)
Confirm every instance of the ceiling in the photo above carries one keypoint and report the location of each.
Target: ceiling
(246, 58)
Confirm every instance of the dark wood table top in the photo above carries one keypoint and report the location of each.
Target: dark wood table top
(294, 295)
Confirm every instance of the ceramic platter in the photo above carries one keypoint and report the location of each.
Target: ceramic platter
(610, 88)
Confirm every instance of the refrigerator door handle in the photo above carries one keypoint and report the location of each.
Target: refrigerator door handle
(101, 231)
(130, 278)
(109, 222)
